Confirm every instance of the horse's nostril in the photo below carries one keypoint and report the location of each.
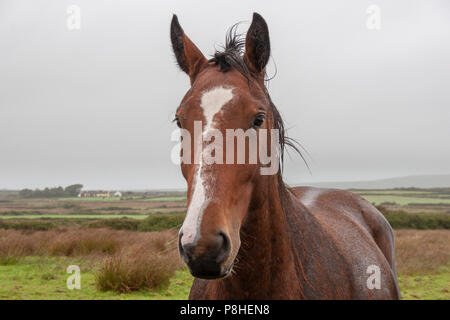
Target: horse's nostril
(223, 247)
(206, 256)
(186, 250)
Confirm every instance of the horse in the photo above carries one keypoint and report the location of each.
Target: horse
(250, 236)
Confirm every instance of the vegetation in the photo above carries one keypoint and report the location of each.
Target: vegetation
(42, 277)
(423, 263)
(405, 220)
(145, 265)
(157, 222)
(161, 222)
(126, 261)
(26, 225)
(426, 286)
(138, 269)
(408, 196)
(58, 192)
(125, 251)
(115, 224)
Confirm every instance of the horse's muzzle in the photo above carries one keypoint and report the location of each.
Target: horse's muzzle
(209, 263)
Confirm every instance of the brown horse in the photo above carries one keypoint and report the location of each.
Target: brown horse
(247, 235)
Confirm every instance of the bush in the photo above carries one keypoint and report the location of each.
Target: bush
(115, 224)
(147, 265)
(27, 225)
(70, 206)
(75, 242)
(75, 246)
(154, 222)
(21, 213)
(158, 222)
(125, 274)
(405, 220)
(421, 251)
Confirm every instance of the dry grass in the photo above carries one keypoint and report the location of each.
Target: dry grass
(72, 242)
(138, 268)
(126, 261)
(422, 251)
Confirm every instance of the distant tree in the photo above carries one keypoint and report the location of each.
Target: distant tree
(26, 193)
(58, 192)
(73, 190)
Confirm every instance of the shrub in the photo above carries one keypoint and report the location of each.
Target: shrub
(115, 224)
(86, 244)
(159, 222)
(147, 265)
(421, 251)
(26, 225)
(125, 274)
(73, 242)
(116, 208)
(404, 220)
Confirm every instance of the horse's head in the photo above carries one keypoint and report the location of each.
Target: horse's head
(227, 92)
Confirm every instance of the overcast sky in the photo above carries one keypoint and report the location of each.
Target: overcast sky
(95, 105)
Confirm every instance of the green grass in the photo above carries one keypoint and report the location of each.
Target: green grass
(88, 199)
(378, 199)
(394, 192)
(152, 222)
(426, 287)
(45, 278)
(405, 220)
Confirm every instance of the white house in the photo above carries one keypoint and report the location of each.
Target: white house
(117, 194)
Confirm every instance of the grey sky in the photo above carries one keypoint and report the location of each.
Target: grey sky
(94, 106)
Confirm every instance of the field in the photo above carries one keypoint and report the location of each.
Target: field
(410, 200)
(126, 247)
(45, 278)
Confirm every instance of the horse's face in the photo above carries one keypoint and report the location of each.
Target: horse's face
(219, 186)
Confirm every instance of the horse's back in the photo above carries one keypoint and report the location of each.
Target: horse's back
(361, 233)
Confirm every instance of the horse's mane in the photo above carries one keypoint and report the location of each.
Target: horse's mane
(231, 57)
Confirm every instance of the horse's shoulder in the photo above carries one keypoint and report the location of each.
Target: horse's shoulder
(337, 201)
(346, 212)
(312, 197)
(351, 225)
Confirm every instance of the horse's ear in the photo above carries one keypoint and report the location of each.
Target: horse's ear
(257, 45)
(189, 57)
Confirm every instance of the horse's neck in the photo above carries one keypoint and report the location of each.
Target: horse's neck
(265, 258)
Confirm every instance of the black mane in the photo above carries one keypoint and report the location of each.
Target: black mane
(232, 54)
(231, 57)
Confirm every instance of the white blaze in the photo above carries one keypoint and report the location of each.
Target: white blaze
(212, 102)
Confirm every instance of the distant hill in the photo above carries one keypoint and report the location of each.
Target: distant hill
(419, 181)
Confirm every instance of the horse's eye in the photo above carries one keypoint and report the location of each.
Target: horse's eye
(178, 122)
(258, 121)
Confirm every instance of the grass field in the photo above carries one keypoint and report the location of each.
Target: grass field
(426, 286)
(33, 263)
(46, 277)
(34, 268)
(404, 200)
(167, 199)
(405, 197)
